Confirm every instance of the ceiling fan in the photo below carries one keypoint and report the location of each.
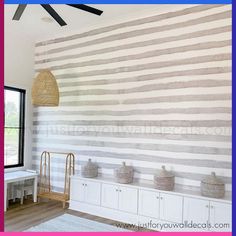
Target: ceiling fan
(21, 7)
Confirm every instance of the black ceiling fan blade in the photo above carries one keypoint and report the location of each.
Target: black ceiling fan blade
(54, 14)
(86, 8)
(19, 11)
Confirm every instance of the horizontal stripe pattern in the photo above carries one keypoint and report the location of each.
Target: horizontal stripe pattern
(154, 65)
(155, 90)
(186, 183)
(183, 101)
(131, 136)
(139, 130)
(152, 53)
(130, 23)
(155, 161)
(146, 88)
(146, 171)
(148, 77)
(140, 112)
(217, 30)
(148, 123)
(135, 33)
(154, 147)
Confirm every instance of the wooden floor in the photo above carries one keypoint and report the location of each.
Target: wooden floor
(21, 217)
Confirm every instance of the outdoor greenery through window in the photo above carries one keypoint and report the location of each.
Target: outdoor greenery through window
(14, 109)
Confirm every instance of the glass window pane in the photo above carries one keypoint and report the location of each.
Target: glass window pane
(12, 108)
(11, 146)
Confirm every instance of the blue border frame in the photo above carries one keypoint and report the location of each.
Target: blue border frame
(110, 2)
(233, 110)
(119, 2)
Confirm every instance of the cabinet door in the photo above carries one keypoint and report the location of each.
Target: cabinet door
(128, 199)
(196, 211)
(110, 196)
(171, 208)
(149, 203)
(220, 214)
(92, 192)
(77, 190)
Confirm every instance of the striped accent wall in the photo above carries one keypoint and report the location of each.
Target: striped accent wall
(151, 91)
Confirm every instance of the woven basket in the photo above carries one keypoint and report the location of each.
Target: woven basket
(45, 91)
(164, 180)
(90, 170)
(124, 174)
(213, 187)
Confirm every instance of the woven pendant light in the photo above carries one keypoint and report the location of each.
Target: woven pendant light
(45, 90)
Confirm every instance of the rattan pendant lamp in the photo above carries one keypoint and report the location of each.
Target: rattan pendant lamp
(45, 91)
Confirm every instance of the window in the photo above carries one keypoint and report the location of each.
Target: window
(14, 124)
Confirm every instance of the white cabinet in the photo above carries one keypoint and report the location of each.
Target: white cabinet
(160, 206)
(77, 190)
(140, 205)
(128, 199)
(220, 216)
(119, 197)
(217, 215)
(110, 196)
(85, 191)
(171, 208)
(92, 192)
(149, 203)
(196, 211)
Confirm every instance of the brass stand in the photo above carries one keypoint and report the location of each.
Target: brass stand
(45, 190)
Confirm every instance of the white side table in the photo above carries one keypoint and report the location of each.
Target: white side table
(16, 176)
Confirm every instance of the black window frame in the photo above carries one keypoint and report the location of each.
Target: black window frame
(21, 126)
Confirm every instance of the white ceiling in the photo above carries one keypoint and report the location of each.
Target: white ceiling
(32, 26)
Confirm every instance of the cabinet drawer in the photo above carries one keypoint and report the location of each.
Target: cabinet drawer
(128, 199)
(77, 190)
(85, 191)
(196, 211)
(221, 216)
(149, 203)
(92, 192)
(171, 207)
(110, 196)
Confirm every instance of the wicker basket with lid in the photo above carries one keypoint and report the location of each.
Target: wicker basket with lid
(212, 186)
(124, 174)
(90, 170)
(164, 180)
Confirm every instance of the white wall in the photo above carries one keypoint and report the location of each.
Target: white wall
(19, 71)
(151, 92)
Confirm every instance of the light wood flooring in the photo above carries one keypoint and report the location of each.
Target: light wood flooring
(21, 217)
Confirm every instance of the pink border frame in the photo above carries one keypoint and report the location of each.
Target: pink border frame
(2, 116)
(2, 167)
(117, 233)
